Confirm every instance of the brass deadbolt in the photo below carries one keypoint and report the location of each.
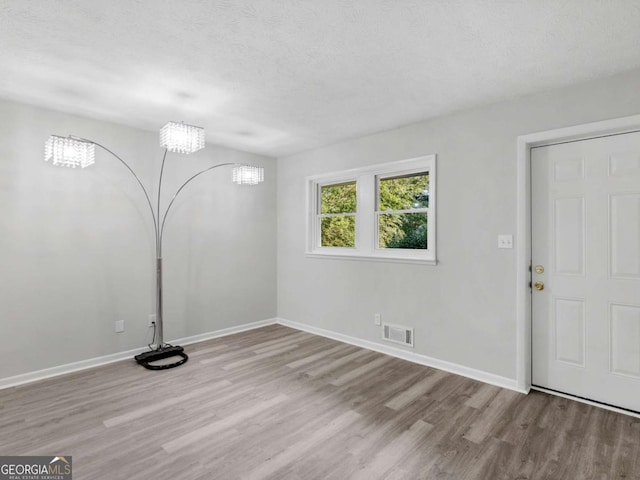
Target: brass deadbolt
(539, 269)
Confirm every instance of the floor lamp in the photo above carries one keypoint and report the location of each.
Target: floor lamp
(176, 137)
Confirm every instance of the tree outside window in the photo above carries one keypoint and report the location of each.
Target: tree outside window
(338, 206)
(382, 212)
(402, 211)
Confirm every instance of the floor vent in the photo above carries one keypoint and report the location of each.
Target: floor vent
(397, 334)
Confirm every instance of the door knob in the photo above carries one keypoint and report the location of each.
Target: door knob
(538, 286)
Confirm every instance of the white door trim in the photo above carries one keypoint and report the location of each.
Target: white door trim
(523, 220)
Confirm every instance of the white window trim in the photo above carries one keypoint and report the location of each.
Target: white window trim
(366, 225)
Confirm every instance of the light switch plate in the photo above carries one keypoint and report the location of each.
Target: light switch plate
(505, 241)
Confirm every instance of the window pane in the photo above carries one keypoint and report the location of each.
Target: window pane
(339, 198)
(402, 230)
(404, 192)
(338, 231)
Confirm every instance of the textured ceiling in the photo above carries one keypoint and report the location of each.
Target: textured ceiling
(282, 76)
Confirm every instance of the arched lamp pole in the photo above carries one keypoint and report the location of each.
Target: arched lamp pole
(75, 152)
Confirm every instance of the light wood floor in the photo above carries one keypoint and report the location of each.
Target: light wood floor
(275, 403)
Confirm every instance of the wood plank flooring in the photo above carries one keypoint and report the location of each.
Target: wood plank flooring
(275, 403)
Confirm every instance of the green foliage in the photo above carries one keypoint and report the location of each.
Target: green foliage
(395, 230)
(338, 231)
(404, 193)
(413, 232)
(336, 199)
(389, 229)
(406, 230)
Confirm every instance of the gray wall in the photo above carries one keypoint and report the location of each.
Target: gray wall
(77, 245)
(463, 309)
(77, 249)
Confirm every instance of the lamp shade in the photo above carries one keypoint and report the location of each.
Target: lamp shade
(248, 175)
(181, 138)
(69, 152)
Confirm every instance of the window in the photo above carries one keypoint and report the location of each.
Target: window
(338, 215)
(403, 209)
(382, 212)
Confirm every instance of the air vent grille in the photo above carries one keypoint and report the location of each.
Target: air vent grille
(397, 334)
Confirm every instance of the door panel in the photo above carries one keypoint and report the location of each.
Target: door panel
(625, 340)
(570, 331)
(624, 229)
(585, 199)
(569, 242)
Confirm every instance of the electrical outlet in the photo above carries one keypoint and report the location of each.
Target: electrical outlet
(152, 320)
(119, 326)
(377, 319)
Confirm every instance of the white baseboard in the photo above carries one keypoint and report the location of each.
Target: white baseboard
(479, 375)
(224, 332)
(67, 368)
(116, 357)
(504, 382)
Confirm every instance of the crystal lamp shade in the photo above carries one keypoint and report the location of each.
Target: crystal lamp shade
(181, 138)
(248, 175)
(69, 152)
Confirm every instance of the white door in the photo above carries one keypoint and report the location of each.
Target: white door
(585, 210)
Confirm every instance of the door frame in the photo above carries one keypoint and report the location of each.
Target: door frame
(523, 223)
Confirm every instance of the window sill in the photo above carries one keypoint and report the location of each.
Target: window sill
(371, 258)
